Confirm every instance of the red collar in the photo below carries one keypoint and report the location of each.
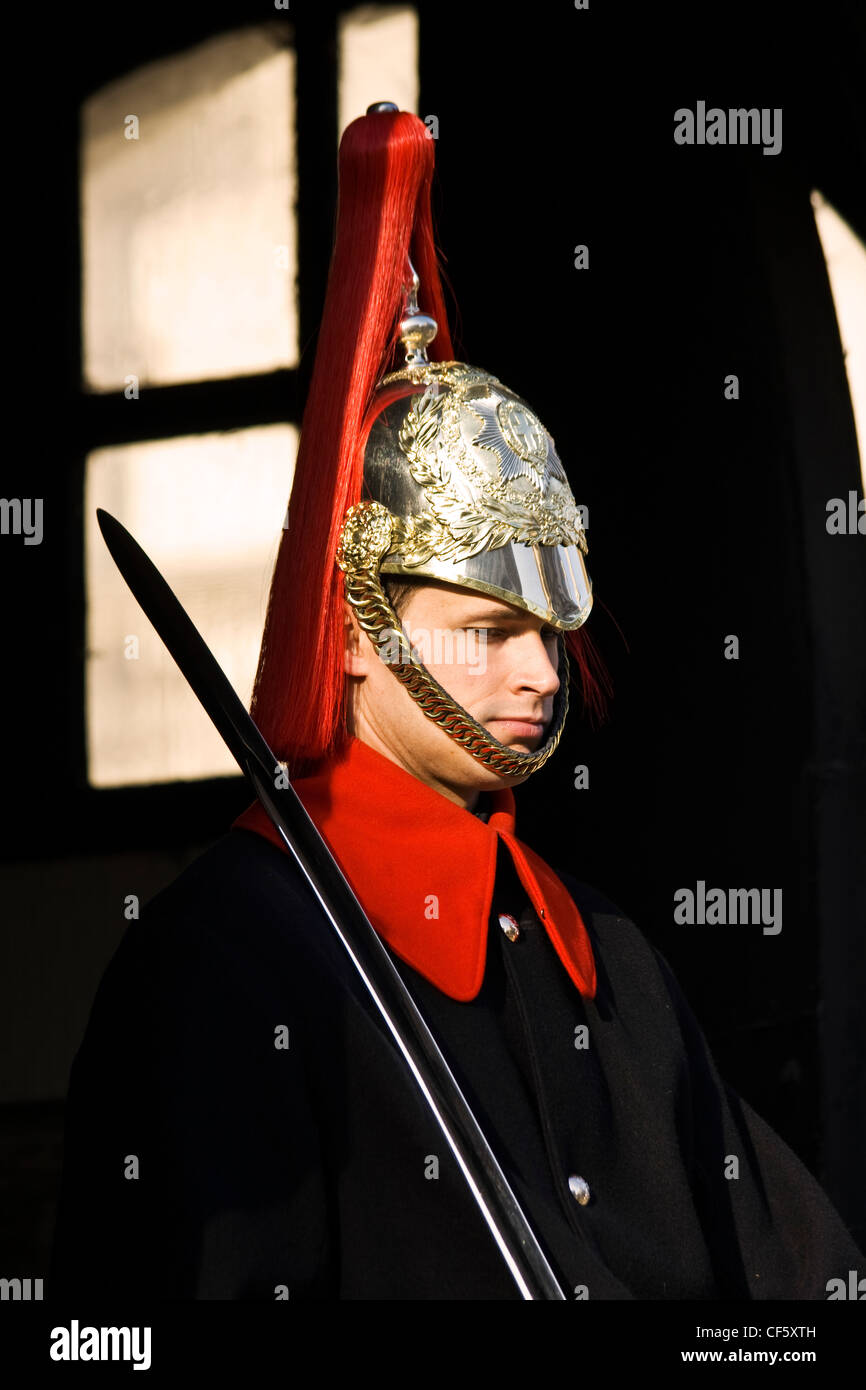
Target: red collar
(424, 868)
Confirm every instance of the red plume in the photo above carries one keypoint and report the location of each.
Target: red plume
(383, 216)
(596, 687)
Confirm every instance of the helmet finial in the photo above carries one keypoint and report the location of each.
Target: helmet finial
(416, 329)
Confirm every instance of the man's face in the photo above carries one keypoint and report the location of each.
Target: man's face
(496, 660)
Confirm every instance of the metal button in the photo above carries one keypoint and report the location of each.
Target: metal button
(509, 926)
(579, 1189)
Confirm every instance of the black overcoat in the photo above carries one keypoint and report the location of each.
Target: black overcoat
(204, 1161)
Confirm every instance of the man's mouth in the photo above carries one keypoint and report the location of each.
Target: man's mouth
(518, 728)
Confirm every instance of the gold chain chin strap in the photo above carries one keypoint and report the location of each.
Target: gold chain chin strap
(364, 539)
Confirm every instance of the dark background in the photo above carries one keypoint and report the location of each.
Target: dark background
(707, 516)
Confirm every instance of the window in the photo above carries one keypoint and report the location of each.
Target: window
(194, 317)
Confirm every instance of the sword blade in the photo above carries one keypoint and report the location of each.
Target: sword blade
(517, 1243)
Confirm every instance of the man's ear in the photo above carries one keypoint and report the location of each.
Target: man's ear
(355, 660)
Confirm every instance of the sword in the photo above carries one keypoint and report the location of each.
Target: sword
(514, 1237)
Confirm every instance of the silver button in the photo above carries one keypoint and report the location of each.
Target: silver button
(509, 926)
(579, 1189)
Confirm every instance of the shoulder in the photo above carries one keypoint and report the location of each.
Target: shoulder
(239, 927)
(240, 892)
(241, 873)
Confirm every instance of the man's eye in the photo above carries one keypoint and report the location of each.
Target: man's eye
(549, 634)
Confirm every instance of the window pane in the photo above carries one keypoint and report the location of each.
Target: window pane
(378, 59)
(188, 230)
(209, 512)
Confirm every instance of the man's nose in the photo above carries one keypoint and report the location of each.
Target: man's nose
(535, 667)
